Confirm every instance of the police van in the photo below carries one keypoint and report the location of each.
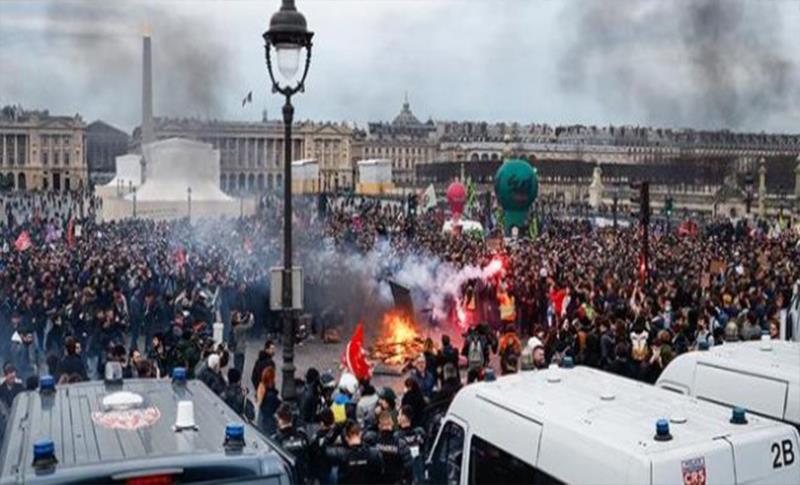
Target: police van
(581, 425)
(138, 431)
(762, 376)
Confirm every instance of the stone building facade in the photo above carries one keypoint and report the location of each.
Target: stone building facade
(40, 151)
(252, 153)
(480, 141)
(405, 141)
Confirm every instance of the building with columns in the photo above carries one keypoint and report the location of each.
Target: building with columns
(405, 141)
(252, 153)
(40, 151)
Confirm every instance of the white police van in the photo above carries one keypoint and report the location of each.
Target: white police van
(581, 425)
(134, 432)
(761, 376)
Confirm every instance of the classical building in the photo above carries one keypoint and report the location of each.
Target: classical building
(40, 151)
(477, 141)
(405, 141)
(104, 143)
(251, 153)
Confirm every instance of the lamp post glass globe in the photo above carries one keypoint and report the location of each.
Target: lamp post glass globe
(288, 56)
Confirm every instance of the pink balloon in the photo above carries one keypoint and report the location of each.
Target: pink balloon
(456, 197)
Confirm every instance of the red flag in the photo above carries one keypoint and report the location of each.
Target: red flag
(23, 242)
(353, 357)
(71, 232)
(180, 257)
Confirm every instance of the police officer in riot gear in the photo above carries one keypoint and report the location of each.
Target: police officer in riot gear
(395, 454)
(357, 462)
(293, 441)
(322, 436)
(414, 440)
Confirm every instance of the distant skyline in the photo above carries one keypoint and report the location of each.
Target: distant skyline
(703, 64)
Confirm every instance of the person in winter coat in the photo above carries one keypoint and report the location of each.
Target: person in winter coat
(235, 396)
(211, 375)
(366, 403)
(241, 326)
(425, 378)
(268, 401)
(11, 385)
(414, 400)
(311, 400)
(446, 355)
(509, 349)
(72, 364)
(265, 359)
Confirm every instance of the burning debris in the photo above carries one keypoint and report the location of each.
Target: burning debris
(399, 342)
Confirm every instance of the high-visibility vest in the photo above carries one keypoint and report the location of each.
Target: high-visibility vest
(508, 312)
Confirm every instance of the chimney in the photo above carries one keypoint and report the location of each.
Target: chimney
(147, 96)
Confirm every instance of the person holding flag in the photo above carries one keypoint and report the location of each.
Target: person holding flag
(23, 242)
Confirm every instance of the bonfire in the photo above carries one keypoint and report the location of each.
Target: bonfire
(399, 342)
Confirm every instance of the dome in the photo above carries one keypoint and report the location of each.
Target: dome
(406, 117)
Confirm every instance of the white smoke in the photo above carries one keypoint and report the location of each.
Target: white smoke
(433, 283)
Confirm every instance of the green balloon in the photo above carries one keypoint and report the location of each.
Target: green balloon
(516, 185)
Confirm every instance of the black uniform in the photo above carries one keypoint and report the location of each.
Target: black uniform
(395, 455)
(357, 464)
(295, 442)
(320, 465)
(414, 440)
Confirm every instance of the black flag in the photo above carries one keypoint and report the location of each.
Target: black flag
(247, 99)
(402, 299)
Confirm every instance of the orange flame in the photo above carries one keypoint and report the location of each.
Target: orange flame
(398, 329)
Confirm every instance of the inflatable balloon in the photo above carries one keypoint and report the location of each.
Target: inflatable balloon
(516, 185)
(456, 197)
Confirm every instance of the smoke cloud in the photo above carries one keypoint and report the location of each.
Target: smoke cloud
(190, 58)
(701, 63)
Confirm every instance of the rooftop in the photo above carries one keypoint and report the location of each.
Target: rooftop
(626, 422)
(72, 419)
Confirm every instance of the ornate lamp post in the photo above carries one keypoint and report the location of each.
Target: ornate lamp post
(289, 35)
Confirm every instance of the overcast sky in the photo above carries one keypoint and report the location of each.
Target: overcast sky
(703, 63)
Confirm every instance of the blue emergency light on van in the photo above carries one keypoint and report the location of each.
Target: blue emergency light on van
(739, 416)
(179, 375)
(44, 453)
(47, 385)
(662, 430)
(234, 435)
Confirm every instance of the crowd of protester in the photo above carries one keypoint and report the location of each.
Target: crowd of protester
(146, 294)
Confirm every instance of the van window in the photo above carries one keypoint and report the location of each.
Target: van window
(446, 458)
(489, 464)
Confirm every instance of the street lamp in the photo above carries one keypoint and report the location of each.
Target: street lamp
(289, 35)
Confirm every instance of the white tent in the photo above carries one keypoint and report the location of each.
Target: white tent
(374, 171)
(177, 164)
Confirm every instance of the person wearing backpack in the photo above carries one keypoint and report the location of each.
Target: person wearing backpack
(473, 350)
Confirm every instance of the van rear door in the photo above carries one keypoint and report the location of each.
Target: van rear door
(708, 463)
(767, 456)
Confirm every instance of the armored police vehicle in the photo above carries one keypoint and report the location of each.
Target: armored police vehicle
(139, 431)
(581, 425)
(763, 377)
